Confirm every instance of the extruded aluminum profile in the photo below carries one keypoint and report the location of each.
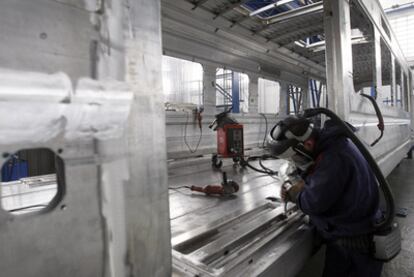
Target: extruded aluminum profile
(237, 244)
(299, 12)
(85, 231)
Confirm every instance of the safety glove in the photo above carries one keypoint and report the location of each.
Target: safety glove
(292, 183)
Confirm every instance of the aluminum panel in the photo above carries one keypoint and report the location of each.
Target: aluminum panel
(45, 36)
(73, 237)
(243, 235)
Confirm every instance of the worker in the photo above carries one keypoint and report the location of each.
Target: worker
(339, 192)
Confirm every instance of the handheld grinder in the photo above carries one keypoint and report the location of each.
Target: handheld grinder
(227, 187)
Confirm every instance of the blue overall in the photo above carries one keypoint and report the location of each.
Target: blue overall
(342, 199)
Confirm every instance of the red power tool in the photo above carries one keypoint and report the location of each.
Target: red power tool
(226, 188)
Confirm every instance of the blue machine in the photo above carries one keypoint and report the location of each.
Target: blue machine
(14, 169)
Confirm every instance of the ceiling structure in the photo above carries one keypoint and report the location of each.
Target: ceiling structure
(283, 37)
(281, 31)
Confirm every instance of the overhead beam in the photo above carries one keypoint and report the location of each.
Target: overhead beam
(181, 18)
(229, 7)
(198, 3)
(239, 20)
(269, 7)
(299, 12)
(298, 34)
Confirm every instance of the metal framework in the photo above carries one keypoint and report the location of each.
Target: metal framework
(316, 93)
(114, 213)
(296, 99)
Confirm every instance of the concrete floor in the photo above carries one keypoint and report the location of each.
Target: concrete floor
(402, 184)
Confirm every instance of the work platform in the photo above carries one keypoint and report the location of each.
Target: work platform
(240, 235)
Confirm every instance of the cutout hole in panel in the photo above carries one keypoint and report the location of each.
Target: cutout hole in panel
(32, 180)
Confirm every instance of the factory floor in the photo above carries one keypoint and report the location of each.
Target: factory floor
(402, 184)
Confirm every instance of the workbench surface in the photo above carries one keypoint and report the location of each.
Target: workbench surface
(240, 235)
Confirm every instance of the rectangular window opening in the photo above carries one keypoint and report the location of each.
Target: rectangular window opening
(269, 96)
(232, 91)
(182, 83)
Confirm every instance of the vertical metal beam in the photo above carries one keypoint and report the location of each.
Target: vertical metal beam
(110, 64)
(283, 100)
(393, 82)
(377, 65)
(305, 97)
(111, 54)
(312, 88)
(402, 88)
(235, 91)
(338, 53)
(253, 93)
(292, 99)
(146, 191)
(408, 91)
(411, 97)
(209, 89)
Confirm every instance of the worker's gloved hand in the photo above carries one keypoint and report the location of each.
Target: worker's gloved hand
(292, 182)
(290, 193)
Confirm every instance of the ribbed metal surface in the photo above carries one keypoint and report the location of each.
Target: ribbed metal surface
(282, 32)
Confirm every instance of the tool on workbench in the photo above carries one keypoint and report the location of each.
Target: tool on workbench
(229, 138)
(227, 187)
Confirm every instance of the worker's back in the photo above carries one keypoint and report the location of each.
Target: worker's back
(341, 192)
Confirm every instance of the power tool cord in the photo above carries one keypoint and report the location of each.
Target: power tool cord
(379, 116)
(185, 135)
(264, 170)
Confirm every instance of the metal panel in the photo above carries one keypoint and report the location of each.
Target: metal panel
(45, 36)
(146, 194)
(73, 238)
(89, 5)
(243, 235)
(338, 55)
(378, 17)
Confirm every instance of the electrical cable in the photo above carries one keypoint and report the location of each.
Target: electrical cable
(185, 135)
(271, 172)
(264, 170)
(379, 116)
(265, 136)
(383, 184)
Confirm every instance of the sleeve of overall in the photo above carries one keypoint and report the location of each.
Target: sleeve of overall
(324, 187)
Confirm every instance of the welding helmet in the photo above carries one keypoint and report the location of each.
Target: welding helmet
(286, 138)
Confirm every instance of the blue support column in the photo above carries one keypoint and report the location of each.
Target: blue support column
(373, 91)
(235, 91)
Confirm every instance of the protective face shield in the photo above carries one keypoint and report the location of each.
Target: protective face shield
(286, 138)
